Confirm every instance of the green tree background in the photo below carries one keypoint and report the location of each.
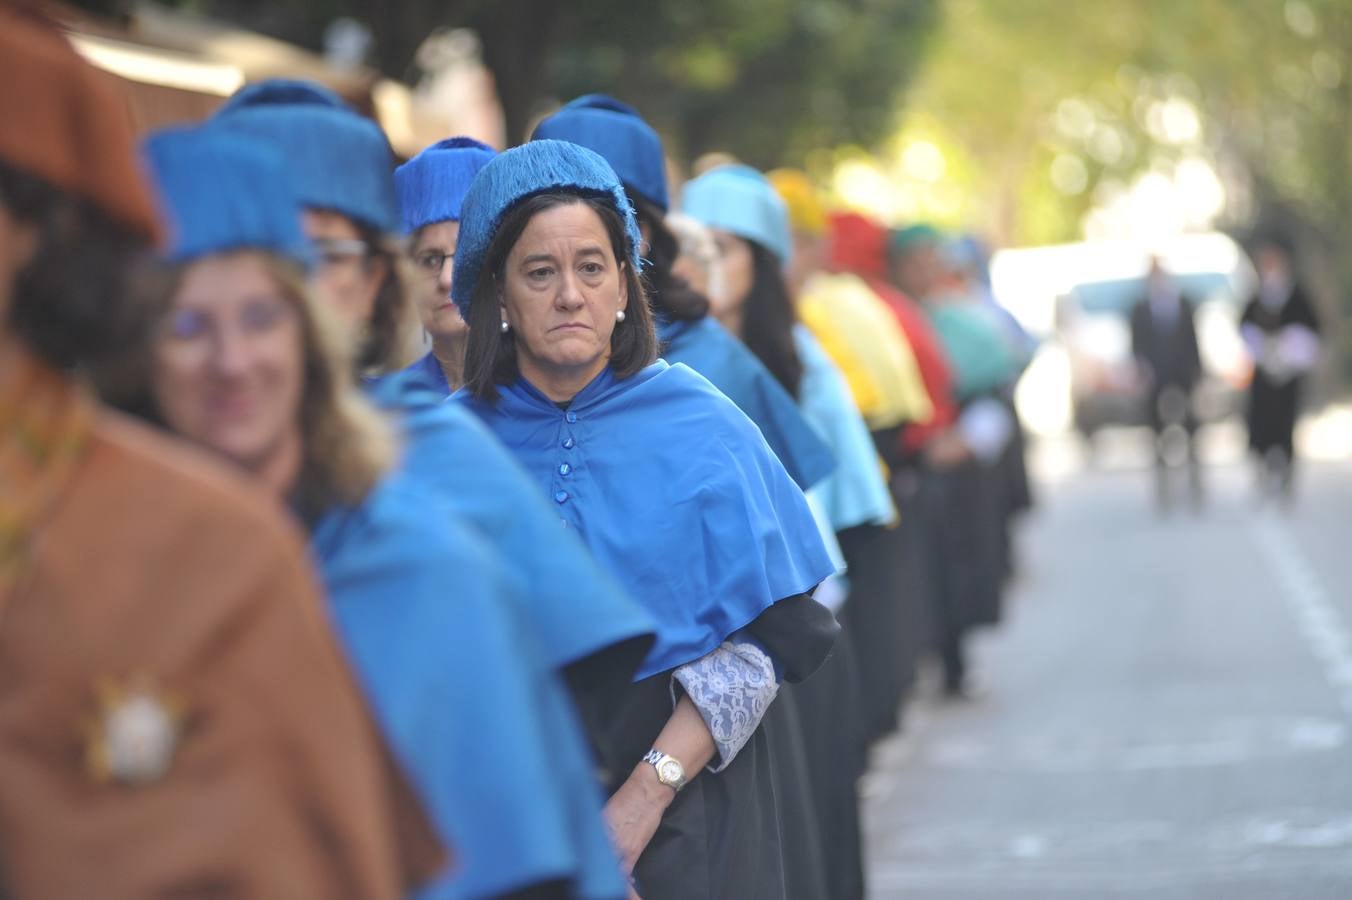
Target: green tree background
(999, 85)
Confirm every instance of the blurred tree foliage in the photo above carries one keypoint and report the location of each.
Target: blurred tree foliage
(764, 79)
(1017, 83)
(1022, 87)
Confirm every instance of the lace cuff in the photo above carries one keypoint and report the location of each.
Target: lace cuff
(732, 688)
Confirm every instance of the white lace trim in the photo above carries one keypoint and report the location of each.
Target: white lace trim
(732, 687)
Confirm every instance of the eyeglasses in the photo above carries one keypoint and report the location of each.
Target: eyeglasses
(336, 251)
(257, 316)
(432, 262)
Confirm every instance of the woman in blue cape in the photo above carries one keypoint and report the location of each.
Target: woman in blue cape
(750, 223)
(691, 336)
(243, 364)
(674, 491)
(341, 166)
(686, 332)
(431, 187)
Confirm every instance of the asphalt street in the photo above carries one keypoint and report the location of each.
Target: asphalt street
(1168, 707)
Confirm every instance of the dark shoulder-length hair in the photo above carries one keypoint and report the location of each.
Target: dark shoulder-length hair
(768, 318)
(490, 354)
(71, 304)
(386, 346)
(670, 295)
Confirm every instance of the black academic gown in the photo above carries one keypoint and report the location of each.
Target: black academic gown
(721, 837)
(834, 751)
(1273, 405)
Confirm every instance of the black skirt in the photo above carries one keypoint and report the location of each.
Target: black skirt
(722, 835)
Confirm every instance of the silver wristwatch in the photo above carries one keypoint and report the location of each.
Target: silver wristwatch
(669, 769)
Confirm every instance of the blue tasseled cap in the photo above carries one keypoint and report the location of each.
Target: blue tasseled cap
(513, 175)
(739, 199)
(432, 185)
(338, 159)
(617, 132)
(219, 192)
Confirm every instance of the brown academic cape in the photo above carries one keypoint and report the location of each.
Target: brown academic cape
(151, 567)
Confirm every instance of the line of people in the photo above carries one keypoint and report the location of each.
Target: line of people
(605, 593)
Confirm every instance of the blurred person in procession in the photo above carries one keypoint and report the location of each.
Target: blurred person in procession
(240, 327)
(675, 493)
(984, 366)
(431, 187)
(885, 619)
(686, 331)
(341, 168)
(175, 718)
(1282, 334)
(922, 454)
(943, 458)
(751, 226)
(968, 262)
(633, 150)
(696, 256)
(1164, 344)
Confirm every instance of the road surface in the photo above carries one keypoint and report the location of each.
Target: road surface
(1168, 710)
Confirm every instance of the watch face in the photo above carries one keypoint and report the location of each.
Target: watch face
(670, 770)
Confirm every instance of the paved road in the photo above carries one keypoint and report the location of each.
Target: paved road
(1169, 711)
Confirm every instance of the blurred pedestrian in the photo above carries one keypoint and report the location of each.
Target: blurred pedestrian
(246, 365)
(672, 489)
(431, 187)
(1164, 344)
(1283, 336)
(175, 718)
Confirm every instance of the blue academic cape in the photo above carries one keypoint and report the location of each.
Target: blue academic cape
(675, 492)
(433, 376)
(709, 349)
(856, 492)
(464, 697)
(575, 607)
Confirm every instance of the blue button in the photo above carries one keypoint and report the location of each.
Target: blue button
(571, 417)
(560, 496)
(565, 469)
(569, 443)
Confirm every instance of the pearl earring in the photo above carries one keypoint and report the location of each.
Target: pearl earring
(505, 326)
(619, 315)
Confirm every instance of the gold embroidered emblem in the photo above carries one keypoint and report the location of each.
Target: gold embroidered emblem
(135, 734)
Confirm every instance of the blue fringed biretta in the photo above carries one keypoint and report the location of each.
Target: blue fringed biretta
(337, 159)
(220, 192)
(431, 186)
(675, 492)
(510, 177)
(617, 132)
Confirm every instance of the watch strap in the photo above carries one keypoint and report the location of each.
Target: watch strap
(663, 764)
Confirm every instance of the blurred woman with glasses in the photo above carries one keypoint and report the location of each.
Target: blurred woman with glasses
(431, 187)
